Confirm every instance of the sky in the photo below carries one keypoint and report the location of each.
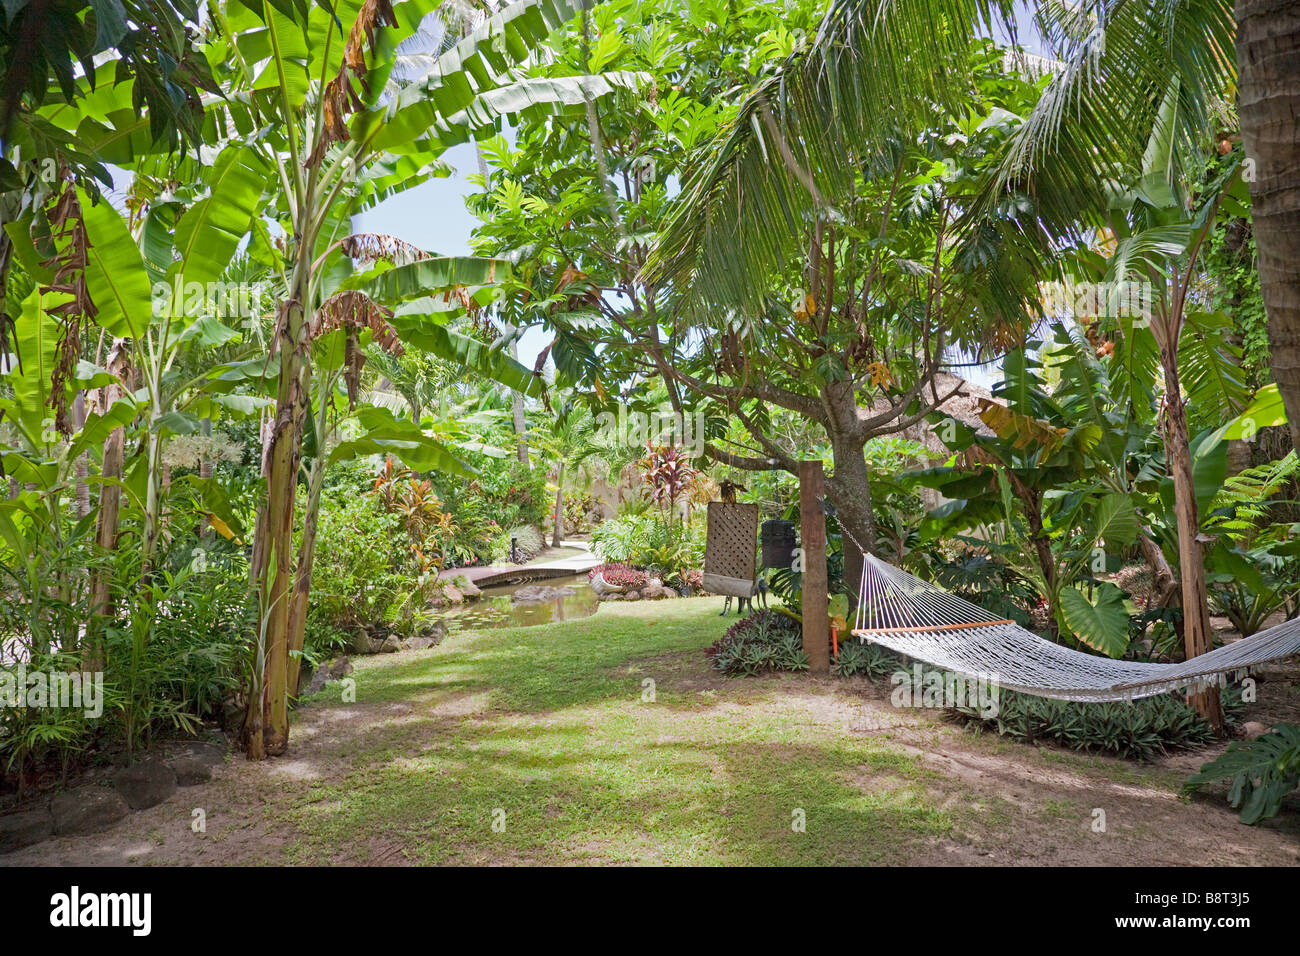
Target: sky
(433, 216)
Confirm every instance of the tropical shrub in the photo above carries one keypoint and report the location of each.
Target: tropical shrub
(581, 512)
(360, 574)
(1141, 729)
(504, 496)
(861, 659)
(1263, 771)
(646, 541)
(764, 641)
(618, 539)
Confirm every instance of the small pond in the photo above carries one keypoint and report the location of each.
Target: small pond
(497, 607)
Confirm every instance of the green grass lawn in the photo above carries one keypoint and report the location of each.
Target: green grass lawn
(545, 732)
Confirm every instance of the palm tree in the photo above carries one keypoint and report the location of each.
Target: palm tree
(569, 443)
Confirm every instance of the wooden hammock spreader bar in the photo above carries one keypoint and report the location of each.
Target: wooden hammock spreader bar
(864, 631)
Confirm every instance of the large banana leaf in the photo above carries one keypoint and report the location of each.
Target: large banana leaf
(115, 272)
(385, 433)
(1103, 625)
(1264, 411)
(530, 99)
(496, 364)
(37, 335)
(439, 274)
(98, 427)
(480, 62)
(210, 231)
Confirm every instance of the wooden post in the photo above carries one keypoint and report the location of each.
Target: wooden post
(812, 522)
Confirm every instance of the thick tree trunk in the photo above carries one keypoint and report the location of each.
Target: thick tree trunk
(1197, 638)
(812, 535)
(849, 489)
(1268, 68)
(1165, 583)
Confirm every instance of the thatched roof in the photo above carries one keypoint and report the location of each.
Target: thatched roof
(963, 406)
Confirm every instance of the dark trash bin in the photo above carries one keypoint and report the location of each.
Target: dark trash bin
(777, 536)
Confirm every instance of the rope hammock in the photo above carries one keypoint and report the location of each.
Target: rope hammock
(920, 620)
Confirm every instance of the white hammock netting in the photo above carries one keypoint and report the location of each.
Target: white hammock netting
(922, 621)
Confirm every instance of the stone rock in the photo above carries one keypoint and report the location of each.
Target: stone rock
(613, 596)
(1253, 728)
(539, 593)
(453, 594)
(145, 784)
(232, 714)
(87, 810)
(319, 678)
(210, 752)
(190, 771)
(468, 587)
(418, 643)
(335, 670)
(306, 677)
(632, 596)
(18, 830)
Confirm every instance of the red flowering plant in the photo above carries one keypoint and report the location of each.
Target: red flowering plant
(667, 474)
(620, 576)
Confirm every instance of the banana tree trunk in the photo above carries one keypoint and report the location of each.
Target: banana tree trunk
(517, 412)
(302, 581)
(266, 723)
(110, 504)
(1268, 67)
(1197, 638)
(153, 490)
(82, 467)
(1165, 583)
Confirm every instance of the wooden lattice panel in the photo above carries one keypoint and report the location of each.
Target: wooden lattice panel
(731, 548)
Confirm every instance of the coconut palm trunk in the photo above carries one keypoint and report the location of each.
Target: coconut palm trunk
(1268, 67)
(557, 529)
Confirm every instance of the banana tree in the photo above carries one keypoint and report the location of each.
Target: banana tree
(340, 136)
(396, 304)
(1160, 227)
